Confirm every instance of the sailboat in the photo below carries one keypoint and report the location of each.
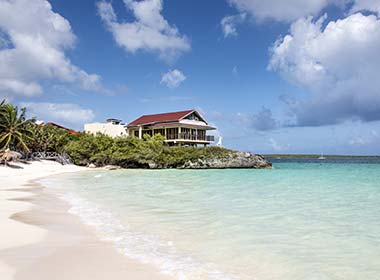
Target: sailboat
(321, 156)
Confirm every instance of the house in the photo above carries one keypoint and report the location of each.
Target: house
(69, 130)
(112, 127)
(178, 128)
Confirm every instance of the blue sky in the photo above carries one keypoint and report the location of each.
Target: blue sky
(273, 77)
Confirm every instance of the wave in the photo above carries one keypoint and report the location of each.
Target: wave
(148, 249)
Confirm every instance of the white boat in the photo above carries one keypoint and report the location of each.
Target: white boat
(321, 157)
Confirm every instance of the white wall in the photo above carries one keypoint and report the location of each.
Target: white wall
(113, 130)
(185, 121)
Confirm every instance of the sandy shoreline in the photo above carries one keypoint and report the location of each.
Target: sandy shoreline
(40, 240)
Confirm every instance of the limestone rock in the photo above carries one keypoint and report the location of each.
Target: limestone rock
(9, 155)
(111, 167)
(234, 160)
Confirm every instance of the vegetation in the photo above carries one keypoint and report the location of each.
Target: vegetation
(47, 138)
(133, 152)
(14, 128)
(313, 156)
(21, 134)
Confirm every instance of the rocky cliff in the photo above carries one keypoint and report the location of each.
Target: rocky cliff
(187, 158)
(232, 160)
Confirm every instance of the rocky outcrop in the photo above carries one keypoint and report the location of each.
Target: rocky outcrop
(112, 167)
(233, 160)
(91, 165)
(8, 155)
(217, 159)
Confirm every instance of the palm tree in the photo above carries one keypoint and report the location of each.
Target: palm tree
(2, 105)
(14, 127)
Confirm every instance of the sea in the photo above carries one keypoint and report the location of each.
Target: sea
(305, 219)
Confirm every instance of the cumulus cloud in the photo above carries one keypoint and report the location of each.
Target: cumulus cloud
(149, 32)
(337, 64)
(67, 113)
(366, 5)
(229, 23)
(173, 78)
(288, 11)
(33, 45)
(261, 121)
(279, 9)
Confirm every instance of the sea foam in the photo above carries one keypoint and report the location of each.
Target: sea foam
(147, 249)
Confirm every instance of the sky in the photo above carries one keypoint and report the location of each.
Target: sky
(272, 76)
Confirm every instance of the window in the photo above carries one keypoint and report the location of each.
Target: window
(193, 117)
(172, 133)
(159, 131)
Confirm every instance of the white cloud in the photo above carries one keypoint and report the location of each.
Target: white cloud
(338, 65)
(290, 10)
(150, 31)
(358, 141)
(366, 5)
(173, 78)
(229, 24)
(364, 139)
(67, 113)
(279, 9)
(277, 146)
(33, 49)
(261, 121)
(16, 86)
(235, 70)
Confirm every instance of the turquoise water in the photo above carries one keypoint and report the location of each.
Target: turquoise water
(300, 220)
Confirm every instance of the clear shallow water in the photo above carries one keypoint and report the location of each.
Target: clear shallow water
(301, 220)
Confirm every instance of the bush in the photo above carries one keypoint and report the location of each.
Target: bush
(48, 138)
(133, 152)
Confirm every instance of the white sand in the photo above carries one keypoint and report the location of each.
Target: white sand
(13, 233)
(39, 240)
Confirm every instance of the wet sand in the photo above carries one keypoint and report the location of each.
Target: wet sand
(41, 240)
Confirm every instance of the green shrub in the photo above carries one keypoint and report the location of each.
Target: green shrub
(133, 152)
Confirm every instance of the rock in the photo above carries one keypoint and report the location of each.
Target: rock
(111, 167)
(91, 165)
(9, 155)
(152, 165)
(233, 160)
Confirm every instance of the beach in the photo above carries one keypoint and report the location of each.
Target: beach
(39, 239)
(303, 219)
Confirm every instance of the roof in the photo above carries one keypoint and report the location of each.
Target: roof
(157, 118)
(70, 131)
(171, 124)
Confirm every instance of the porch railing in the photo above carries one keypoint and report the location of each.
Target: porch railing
(189, 136)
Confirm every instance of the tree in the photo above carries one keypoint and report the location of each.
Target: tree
(47, 138)
(14, 127)
(2, 106)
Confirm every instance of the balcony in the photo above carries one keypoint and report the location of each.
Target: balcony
(189, 136)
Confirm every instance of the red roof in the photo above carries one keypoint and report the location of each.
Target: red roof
(169, 124)
(156, 118)
(69, 131)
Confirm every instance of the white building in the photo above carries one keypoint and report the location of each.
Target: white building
(113, 128)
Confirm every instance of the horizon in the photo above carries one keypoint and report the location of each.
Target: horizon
(273, 79)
